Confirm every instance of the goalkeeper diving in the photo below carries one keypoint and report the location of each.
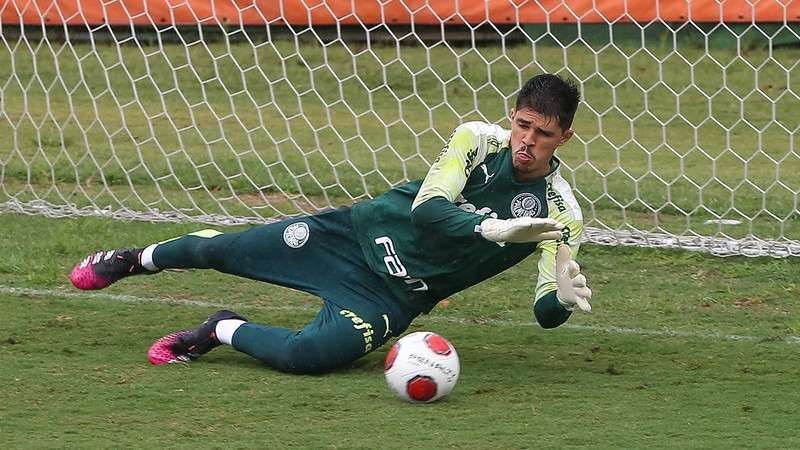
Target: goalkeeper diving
(491, 198)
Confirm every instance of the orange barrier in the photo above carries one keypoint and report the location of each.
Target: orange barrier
(349, 12)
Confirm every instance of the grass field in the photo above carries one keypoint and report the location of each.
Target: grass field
(667, 137)
(683, 350)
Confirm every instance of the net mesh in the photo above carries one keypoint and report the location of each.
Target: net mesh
(685, 137)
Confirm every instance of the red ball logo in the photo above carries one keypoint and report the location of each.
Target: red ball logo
(421, 388)
(438, 344)
(390, 357)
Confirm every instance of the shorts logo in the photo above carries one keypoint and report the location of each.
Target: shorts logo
(296, 234)
(526, 205)
(365, 328)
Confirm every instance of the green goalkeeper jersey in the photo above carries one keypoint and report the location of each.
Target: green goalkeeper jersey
(424, 237)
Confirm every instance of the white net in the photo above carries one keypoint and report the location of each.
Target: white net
(685, 137)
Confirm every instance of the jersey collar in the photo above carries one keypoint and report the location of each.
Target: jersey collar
(555, 164)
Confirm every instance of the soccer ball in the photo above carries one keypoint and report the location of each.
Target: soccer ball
(422, 367)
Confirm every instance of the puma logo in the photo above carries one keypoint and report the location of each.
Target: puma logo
(486, 173)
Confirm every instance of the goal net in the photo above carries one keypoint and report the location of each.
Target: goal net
(229, 112)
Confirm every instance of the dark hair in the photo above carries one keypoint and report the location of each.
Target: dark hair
(551, 96)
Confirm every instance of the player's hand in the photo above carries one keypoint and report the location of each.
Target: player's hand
(521, 229)
(572, 289)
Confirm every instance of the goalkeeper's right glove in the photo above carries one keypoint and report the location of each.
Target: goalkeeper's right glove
(572, 290)
(520, 230)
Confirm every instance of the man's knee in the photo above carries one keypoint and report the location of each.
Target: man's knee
(305, 355)
(209, 250)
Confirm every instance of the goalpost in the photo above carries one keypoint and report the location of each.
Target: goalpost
(228, 112)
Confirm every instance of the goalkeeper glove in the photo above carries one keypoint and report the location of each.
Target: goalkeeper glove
(520, 230)
(572, 288)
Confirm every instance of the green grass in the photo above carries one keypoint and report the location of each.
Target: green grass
(74, 371)
(203, 129)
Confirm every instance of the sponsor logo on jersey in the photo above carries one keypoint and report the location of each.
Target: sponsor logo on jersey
(464, 205)
(556, 198)
(526, 205)
(395, 267)
(296, 234)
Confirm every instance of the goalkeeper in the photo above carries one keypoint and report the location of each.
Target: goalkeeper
(491, 198)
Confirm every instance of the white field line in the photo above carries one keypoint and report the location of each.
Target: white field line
(54, 293)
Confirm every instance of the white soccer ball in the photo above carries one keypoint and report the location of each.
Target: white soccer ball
(422, 367)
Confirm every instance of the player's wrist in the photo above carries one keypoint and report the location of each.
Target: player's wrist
(479, 226)
(490, 229)
(566, 305)
(549, 312)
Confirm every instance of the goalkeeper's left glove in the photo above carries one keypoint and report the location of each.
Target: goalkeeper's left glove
(572, 289)
(521, 230)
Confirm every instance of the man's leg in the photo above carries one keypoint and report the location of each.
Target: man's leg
(296, 253)
(336, 337)
(195, 250)
(249, 253)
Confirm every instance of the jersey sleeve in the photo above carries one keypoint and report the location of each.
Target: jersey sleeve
(564, 208)
(449, 173)
(433, 208)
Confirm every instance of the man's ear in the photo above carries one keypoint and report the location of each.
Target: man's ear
(511, 114)
(566, 135)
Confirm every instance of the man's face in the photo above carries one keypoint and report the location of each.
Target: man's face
(534, 139)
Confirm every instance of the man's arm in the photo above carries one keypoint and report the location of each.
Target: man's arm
(555, 307)
(549, 312)
(439, 215)
(560, 286)
(433, 207)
